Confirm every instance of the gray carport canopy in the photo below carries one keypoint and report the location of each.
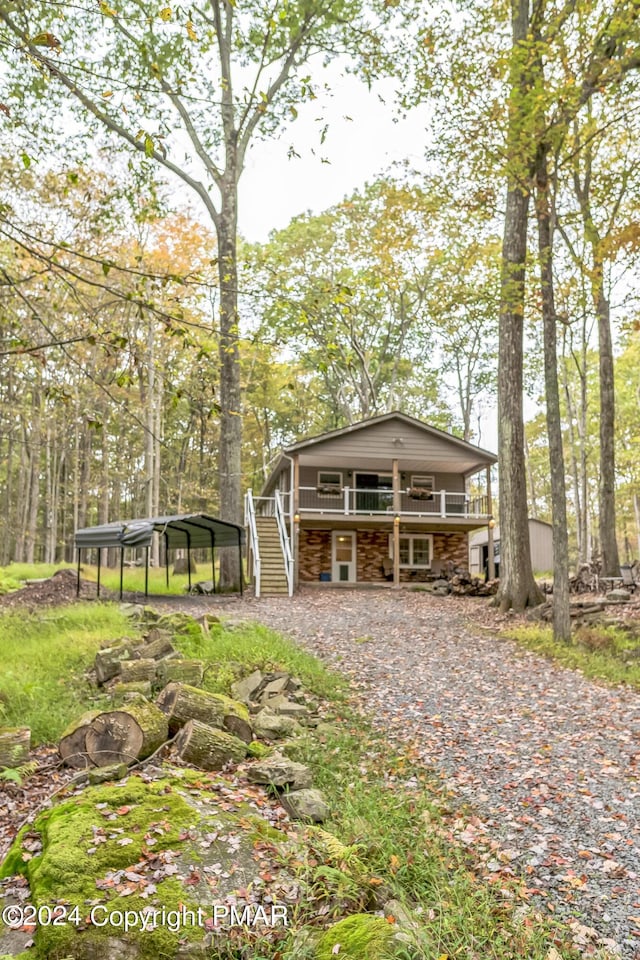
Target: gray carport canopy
(189, 530)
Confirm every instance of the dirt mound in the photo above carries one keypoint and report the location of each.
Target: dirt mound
(58, 589)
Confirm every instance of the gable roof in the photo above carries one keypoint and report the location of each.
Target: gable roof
(371, 444)
(401, 418)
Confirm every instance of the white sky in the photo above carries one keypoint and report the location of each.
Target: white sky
(274, 188)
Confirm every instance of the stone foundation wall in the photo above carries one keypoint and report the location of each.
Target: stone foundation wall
(452, 546)
(314, 554)
(372, 546)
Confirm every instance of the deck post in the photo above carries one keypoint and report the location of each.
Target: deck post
(443, 503)
(188, 558)
(78, 583)
(98, 585)
(121, 569)
(213, 559)
(166, 556)
(491, 566)
(396, 521)
(296, 522)
(240, 562)
(146, 571)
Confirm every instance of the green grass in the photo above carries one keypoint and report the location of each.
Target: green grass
(133, 579)
(13, 576)
(236, 652)
(44, 657)
(603, 653)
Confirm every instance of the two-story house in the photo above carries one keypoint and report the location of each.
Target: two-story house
(381, 501)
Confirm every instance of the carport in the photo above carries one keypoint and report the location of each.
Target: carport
(189, 531)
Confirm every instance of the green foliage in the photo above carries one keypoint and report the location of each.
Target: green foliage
(44, 659)
(351, 291)
(358, 937)
(250, 646)
(602, 653)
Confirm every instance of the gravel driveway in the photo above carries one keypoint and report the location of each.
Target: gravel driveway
(549, 759)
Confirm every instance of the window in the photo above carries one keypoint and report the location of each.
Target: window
(421, 487)
(329, 483)
(415, 550)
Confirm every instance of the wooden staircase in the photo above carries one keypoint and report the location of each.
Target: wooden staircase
(273, 579)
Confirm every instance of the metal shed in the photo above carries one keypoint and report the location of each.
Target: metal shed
(541, 542)
(184, 531)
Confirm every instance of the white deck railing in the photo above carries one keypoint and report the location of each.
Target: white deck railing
(250, 524)
(349, 501)
(284, 540)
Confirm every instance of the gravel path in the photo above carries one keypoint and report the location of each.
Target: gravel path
(549, 759)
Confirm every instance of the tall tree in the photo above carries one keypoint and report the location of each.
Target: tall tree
(210, 78)
(517, 586)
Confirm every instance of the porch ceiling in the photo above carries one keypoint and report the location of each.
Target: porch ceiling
(443, 464)
(407, 524)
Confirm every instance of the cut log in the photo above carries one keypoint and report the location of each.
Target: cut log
(117, 689)
(132, 671)
(154, 649)
(15, 743)
(133, 732)
(182, 703)
(207, 747)
(157, 633)
(72, 747)
(107, 662)
(181, 671)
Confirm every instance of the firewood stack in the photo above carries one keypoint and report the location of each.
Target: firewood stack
(208, 730)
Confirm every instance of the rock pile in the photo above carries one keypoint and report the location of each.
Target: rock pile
(207, 730)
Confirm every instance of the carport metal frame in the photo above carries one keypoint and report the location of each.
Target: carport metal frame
(139, 533)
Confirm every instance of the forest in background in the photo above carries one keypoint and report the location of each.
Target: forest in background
(117, 351)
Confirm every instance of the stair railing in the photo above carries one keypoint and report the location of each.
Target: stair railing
(250, 524)
(284, 541)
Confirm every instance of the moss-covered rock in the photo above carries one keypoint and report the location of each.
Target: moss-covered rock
(179, 843)
(358, 937)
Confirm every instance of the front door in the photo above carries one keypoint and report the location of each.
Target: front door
(343, 556)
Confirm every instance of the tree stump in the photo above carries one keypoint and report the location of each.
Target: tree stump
(207, 747)
(182, 703)
(72, 747)
(133, 732)
(132, 671)
(15, 743)
(182, 565)
(107, 662)
(182, 671)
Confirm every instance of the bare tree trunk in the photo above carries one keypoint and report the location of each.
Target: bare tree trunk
(155, 548)
(533, 499)
(561, 614)
(575, 473)
(34, 475)
(22, 507)
(9, 509)
(229, 467)
(607, 489)
(517, 586)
